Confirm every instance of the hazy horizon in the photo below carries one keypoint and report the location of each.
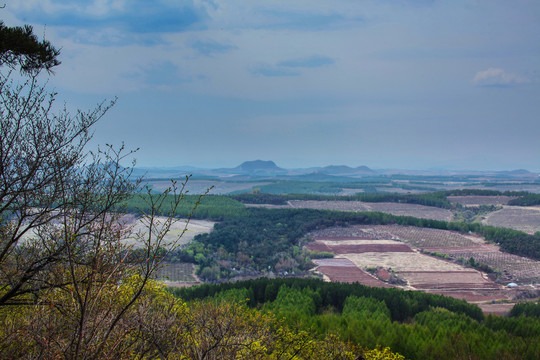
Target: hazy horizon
(404, 84)
(231, 166)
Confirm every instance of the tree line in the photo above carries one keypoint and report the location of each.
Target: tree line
(416, 325)
(436, 199)
(211, 207)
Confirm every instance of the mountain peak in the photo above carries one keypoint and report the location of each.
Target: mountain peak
(258, 165)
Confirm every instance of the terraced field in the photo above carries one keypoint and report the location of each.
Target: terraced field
(396, 252)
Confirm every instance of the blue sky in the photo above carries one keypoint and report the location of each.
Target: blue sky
(388, 84)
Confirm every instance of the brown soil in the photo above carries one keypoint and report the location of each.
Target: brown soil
(334, 262)
(318, 246)
(471, 296)
(341, 238)
(358, 249)
(350, 275)
(419, 211)
(526, 219)
(496, 309)
(390, 249)
(383, 274)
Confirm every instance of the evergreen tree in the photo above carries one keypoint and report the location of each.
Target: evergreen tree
(20, 47)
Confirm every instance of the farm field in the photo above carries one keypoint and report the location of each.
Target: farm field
(516, 268)
(397, 190)
(179, 274)
(414, 236)
(396, 252)
(419, 211)
(196, 187)
(343, 270)
(455, 245)
(533, 188)
(358, 246)
(481, 200)
(526, 219)
(195, 227)
(174, 274)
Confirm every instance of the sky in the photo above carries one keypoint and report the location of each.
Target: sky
(409, 84)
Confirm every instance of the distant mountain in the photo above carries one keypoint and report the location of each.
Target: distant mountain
(346, 170)
(256, 169)
(258, 166)
(260, 169)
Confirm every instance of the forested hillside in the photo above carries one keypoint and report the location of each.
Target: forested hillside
(416, 325)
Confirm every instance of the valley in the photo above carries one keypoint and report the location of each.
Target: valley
(378, 251)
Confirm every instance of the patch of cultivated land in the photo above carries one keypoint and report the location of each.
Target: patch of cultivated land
(512, 267)
(403, 261)
(517, 268)
(397, 190)
(176, 236)
(481, 200)
(414, 236)
(180, 274)
(419, 211)
(459, 280)
(343, 270)
(526, 219)
(200, 186)
(497, 308)
(358, 246)
(395, 250)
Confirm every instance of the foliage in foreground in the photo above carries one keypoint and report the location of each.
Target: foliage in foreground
(69, 286)
(162, 326)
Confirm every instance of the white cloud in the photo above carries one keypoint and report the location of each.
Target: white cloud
(498, 77)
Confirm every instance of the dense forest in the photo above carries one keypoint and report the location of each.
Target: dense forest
(526, 200)
(413, 324)
(212, 207)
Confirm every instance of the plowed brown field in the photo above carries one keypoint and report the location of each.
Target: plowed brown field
(526, 219)
(358, 248)
(346, 271)
(394, 251)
